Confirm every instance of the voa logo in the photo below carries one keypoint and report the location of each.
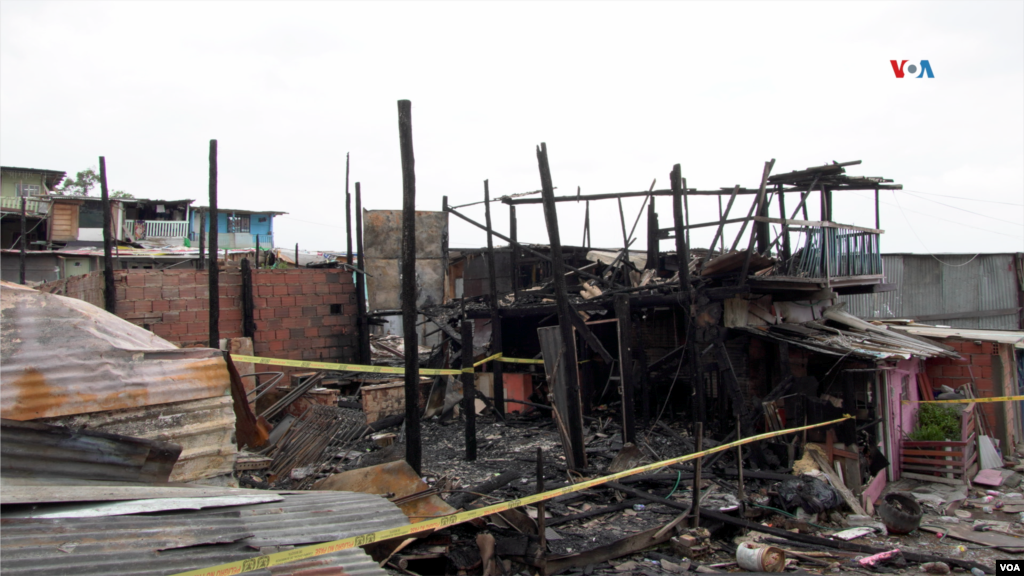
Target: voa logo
(925, 68)
(1009, 567)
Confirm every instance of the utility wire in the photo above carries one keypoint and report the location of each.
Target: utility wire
(922, 241)
(963, 198)
(943, 219)
(965, 210)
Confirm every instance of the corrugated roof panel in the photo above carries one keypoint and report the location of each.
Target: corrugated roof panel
(163, 544)
(930, 285)
(61, 356)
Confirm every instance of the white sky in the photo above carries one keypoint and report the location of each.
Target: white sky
(619, 92)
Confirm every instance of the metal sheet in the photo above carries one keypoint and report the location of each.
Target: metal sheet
(94, 509)
(57, 490)
(61, 356)
(35, 450)
(204, 429)
(171, 543)
(930, 285)
(385, 288)
(382, 233)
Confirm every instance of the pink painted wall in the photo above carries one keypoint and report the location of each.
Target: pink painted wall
(901, 385)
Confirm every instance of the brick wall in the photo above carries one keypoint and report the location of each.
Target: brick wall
(300, 314)
(974, 364)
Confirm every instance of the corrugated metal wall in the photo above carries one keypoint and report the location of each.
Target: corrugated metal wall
(928, 285)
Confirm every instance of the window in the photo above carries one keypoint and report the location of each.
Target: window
(27, 190)
(238, 223)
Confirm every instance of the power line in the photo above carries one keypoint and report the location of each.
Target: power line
(963, 198)
(922, 241)
(965, 210)
(943, 219)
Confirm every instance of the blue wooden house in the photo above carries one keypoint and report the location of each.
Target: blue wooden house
(235, 228)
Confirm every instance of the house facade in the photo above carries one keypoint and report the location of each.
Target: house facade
(235, 228)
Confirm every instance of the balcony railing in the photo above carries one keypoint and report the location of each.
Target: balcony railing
(833, 251)
(33, 206)
(265, 240)
(162, 228)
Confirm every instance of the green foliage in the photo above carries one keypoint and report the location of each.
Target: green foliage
(85, 181)
(937, 423)
(82, 183)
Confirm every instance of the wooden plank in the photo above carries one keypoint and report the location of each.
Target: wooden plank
(930, 478)
(817, 224)
(834, 479)
(909, 452)
(998, 540)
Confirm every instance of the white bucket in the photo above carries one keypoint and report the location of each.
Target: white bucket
(760, 558)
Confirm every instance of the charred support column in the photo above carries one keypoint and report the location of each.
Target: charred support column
(214, 293)
(24, 240)
(514, 234)
(497, 368)
(574, 419)
(202, 240)
(762, 229)
(786, 248)
(257, 236)
(413, 455)
(364, 326)
(625, 321)
(468, 390)
(645, 383)
(697, 464)
(682, 250)
(652, 236)
(758, 204)
(248, 303)
(109, 295)
(878, 220)
(296, 254)
(348, 217)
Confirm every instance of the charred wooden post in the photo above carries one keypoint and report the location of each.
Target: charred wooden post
(625, 320)
(468, 393)
(541, 528)
(698, 433)
(686, 212)
(739, 462)
(364, 326)
(723, 217)
(574, 418)
(296, 254)
(348, 217)
(497, 368)
(758, 203)
(786, 247)
(763, 229)
(514, 234)
(413, 454)
(248, 302)
(645, 379)
(878, 221)
(652, 237)
(214, 285)
(202, 240)
(625, 237)
(24, 241)
(682, 250)
(109, 295)
(257, 255)
(586, 226)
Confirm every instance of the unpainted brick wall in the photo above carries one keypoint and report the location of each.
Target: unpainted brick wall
(300, 314)
(974, 364)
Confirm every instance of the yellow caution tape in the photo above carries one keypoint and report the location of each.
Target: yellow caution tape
(488, 359)
(342, 367)
(522, 360)
(278, 558)
(376, 369)
(967, 400)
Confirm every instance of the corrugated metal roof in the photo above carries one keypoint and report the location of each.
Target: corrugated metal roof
(61, 356)
(931, 285)
(203, 428)
(33, 450)
(162, 544)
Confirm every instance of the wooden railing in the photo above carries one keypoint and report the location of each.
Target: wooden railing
(953, 460)
(827, 249)
(165, 228)
(33, 206)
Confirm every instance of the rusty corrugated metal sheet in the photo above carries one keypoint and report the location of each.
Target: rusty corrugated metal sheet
(158, 545)
(931, 285)
(203, 428)
(35, 450)
(61, 356)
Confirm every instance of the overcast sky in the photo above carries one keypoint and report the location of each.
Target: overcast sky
(619, 92)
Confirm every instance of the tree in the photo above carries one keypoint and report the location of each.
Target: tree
(85, 181)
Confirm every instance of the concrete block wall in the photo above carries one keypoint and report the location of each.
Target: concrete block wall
(300, 314)
(974, 365)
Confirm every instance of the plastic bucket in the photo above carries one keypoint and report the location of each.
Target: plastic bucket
(760, 558)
